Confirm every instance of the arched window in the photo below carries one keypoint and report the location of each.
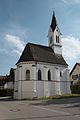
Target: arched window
(57, 39)
(49, 75)
(50, 39)
(27, 75)
(39, 74)
(60, 74)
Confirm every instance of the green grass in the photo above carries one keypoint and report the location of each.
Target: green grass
(54, 97)
(63, 96)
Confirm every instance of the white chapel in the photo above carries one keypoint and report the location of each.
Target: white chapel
(41, 71)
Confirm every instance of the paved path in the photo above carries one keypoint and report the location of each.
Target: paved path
(61, 109)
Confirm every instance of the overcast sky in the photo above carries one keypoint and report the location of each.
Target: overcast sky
(23, 21)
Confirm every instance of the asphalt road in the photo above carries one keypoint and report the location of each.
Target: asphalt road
(61, 109)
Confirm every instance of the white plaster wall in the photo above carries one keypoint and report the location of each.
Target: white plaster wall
(44, 69)
(20, 75)
(55, 76)
(53, 34)
(5, 86)
(66, 75)
(35, 88)
(57, 47)
(20, 72)
(10, 85)
(26, 67)
(65, 85)
(16, 90)
(57, 81)
(56, 32)
(16, 84)
(40, 88)
(16, 74)
(28, 89)
(49, 88)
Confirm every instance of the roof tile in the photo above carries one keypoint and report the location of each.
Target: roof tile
(40, 53)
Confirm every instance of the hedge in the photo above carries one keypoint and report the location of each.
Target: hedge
(75, 89)
(6, 92)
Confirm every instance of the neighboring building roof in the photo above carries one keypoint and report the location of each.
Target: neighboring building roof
(3, 80)
(53, 22)
(40, 53)
(74, 68)
(3, 77)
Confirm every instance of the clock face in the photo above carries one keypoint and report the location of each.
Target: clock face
(50, 39)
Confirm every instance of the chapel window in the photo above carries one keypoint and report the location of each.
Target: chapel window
(50, 39)
(49, 75)
(39, 74)
(60, 74)
(28, 75)
(57, 39)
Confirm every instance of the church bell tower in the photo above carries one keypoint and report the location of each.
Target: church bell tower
(54, 36)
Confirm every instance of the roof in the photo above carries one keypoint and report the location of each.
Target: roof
(53, 22)
(74, 67)
(3, 77)
(40, 53)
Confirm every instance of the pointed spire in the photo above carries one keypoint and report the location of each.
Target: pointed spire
(53, 22)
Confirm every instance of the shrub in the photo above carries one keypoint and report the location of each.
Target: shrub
(75, 89)
(6, 92)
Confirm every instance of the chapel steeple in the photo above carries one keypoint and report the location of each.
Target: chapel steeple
(54, 38)
(53, 22)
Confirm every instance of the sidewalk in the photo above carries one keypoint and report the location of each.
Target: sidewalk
(5, 98)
